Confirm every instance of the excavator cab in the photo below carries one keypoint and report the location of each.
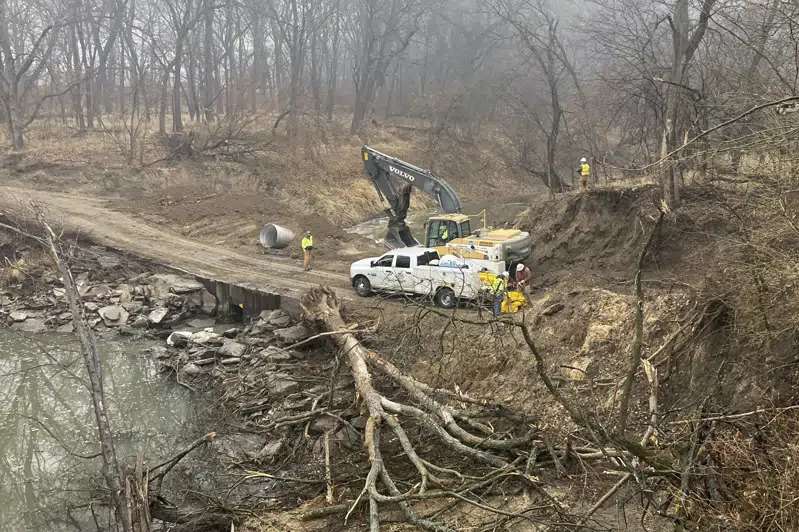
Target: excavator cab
(441, 230)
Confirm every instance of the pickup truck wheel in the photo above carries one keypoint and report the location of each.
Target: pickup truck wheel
(362, 286)
(446, 298)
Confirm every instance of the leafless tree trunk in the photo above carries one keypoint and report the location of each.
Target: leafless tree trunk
(684, 45)
(332, 73)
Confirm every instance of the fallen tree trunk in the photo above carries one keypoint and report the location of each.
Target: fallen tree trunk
(428, 413)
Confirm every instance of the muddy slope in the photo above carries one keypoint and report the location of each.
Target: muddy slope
(599, 233)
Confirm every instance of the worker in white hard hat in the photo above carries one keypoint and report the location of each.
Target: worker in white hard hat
(498, 289)
(585, 172)
(524, 280)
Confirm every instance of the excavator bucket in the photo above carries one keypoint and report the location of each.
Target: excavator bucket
(399, 234)
(400, 238)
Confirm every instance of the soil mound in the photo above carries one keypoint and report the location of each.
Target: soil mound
(599, 233)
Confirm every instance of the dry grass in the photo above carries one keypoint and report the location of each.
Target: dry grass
(316, 169)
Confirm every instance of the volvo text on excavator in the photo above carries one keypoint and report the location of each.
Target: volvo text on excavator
(451, 231)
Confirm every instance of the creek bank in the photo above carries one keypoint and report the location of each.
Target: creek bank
(125, 300)
(119, 294)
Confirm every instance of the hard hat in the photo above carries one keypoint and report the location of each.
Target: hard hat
(307, 232)
(583, 160)
(519, 267)
(505, 274)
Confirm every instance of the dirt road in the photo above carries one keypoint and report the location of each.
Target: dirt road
(92, 218)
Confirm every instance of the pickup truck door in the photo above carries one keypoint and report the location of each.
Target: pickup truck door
(403, 278)
(382, 273)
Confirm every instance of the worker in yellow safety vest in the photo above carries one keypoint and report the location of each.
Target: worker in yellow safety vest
(585, 172)
(498, 291)
(307, 247)
(443, 233)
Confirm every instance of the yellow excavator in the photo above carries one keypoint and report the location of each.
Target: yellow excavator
(449, 232)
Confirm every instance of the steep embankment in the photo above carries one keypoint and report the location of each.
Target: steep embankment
(596, 236)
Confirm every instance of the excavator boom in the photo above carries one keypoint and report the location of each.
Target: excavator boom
(393, 179)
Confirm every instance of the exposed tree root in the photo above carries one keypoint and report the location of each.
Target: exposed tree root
(430, 414)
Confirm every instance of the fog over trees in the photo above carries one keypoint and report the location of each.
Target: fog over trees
(625, 82)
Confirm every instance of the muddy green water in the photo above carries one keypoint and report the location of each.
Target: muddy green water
(45, 409)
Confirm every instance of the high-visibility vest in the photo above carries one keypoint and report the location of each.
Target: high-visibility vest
(498, 286)
(307, 242)
(585, 170)
(444, 233)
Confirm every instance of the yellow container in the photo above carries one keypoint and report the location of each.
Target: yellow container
(487, 278)
(513, 300)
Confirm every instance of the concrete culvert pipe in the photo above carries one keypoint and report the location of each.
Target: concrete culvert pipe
(275, 236)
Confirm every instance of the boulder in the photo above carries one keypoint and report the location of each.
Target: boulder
(232, 349)
(231, 333)
(201, 301)
(125, 293)
(178, 339)
(175, 301)
(271, 450)
(275, 354)
(163, 284)
(59, 293)
(204, 337)
(66, 328)
(349, 438)
(266, 315)
(274, 319)
(359, 422)
(139, 323)
(82, 280)
(31, 325)
(280, 322)
(100, 291)
(114, 315)
(191, 369)
(292, 335)
(323, 424)
(158, 315)
(281, 385)
(134, 307)
(18, 316)
(90, 306)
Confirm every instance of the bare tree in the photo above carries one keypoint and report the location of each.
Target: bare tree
(685, 42)
(381, 32)
(25, 52)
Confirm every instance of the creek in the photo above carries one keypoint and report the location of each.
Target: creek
(46, 420)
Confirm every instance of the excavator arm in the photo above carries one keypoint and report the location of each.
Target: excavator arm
(393, 179)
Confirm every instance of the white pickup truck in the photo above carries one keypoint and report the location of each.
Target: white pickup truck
(418, 270)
